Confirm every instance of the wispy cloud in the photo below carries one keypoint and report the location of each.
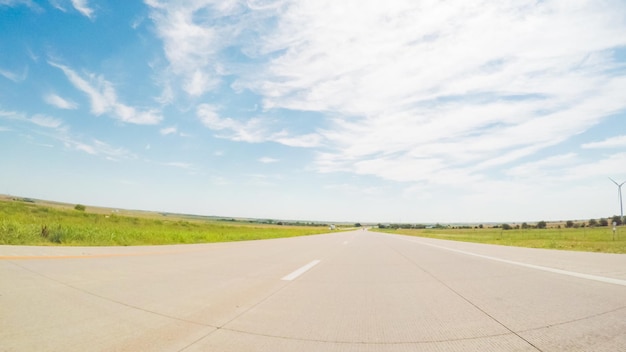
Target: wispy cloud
(55, 129)
(15, 76)
(411, 91)
(40, 120)
(12, 115)
(104, 98)
(190, 42)
(417, 89)
(60, 102)
(13, 3)
(268, 160)
(594, 169)
(261, 180)
(46, 121)
(304, 141)
(353, 189)
(180, 165)
(197, 33)
(57, 5)
(613, 142)
(253, 130)
(168, 130)
(542, 167)
(98, 148)
(137, 21)
(83, 7)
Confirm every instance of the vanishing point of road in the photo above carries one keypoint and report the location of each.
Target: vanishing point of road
(349, 291)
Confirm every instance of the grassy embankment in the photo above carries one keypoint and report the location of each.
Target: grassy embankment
(589, 239)
(26, 223)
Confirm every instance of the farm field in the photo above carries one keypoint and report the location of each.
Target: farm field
(29, 222)
(589, 239)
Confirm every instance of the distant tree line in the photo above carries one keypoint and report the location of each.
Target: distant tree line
(606, 222)
(406, 226)
(539, 225)
(285, 223)
(568, 224)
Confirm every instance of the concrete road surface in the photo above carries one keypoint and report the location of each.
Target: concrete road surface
(353, 291)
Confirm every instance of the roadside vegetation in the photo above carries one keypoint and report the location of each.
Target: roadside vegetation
(587, 238)
(25, 222)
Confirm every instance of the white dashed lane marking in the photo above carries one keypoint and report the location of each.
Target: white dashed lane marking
(294, 275)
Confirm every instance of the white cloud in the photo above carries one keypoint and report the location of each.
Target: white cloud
(98, 148)
(260, 180)
(104, 98)
(167, 95)
(542, 167)
(59, 132)
(190, 42)
(199, 83)
(83, 7)
(60, 102)
(12, 115)
(566, 170)
(137, 21)
(168, 130)
(195, 34)
(355, 190)
(265, 4)
(305, 141)
(16, 77)
(46, 121)
(181, 165)
(57, 5)
(613, 142)
(13, 3)
(421, 89)
(254, 130)
(40, 120)
(267, 160)
(251, 131)
(81, 147)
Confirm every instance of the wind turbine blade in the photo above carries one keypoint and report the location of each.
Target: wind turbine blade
(617, 184)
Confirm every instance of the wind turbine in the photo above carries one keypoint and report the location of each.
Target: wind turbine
(619, 191)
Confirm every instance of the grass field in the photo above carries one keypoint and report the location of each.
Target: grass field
(29, 223)
(589, 239)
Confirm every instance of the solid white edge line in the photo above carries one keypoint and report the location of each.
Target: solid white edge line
(604, 279)
(294, 275)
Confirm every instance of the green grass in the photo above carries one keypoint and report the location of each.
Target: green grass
(589, 239)
(27, 223)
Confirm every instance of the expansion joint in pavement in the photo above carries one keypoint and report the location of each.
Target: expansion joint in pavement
(587, 317)
(223, 326)
(464, 298)
(110, 299)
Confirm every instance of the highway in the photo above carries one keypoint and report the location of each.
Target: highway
(348, 291)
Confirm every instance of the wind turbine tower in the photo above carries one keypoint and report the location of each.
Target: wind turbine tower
(619, 191)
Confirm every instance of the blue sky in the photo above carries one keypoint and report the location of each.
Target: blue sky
(395, 111)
